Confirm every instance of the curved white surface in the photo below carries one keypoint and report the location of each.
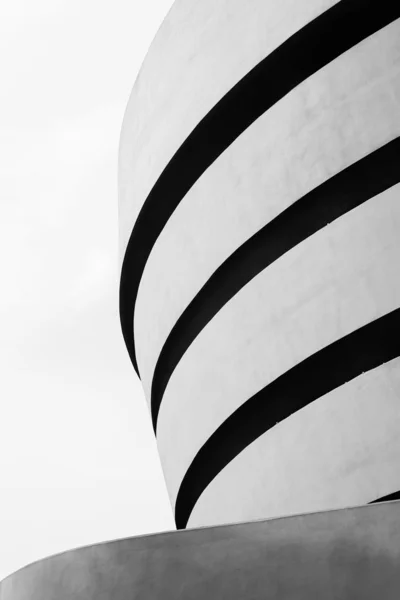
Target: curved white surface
(309, 298)
(201, 50)
(342, 450)
(331, 120)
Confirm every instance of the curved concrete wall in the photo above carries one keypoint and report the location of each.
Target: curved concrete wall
(349, 554)
(260, 194)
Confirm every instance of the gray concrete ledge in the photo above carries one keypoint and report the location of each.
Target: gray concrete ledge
(348, 554)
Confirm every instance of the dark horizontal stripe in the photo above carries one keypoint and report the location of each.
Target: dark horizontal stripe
(319, 42)
(362, 350)
(388, 498)
(332, 199)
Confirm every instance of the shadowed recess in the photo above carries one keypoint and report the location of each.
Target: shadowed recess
(332, 199)
(311, 48)
(388, 498)
(362, 350)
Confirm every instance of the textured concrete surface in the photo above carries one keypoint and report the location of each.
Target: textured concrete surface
(352, 554)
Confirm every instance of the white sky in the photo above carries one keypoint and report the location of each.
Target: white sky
(78, 460)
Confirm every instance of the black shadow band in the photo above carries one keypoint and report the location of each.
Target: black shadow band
(332, 199)
(362, 350)
(307, 51)
(388, 498)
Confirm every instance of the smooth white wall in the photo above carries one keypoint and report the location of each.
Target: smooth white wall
(341, 278)
(201, 50)
(340, 451)
(334, 282)
(337, 116)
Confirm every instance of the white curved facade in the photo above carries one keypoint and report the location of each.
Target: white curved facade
(260, 191)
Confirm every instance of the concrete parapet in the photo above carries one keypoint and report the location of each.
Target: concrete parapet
(348, 554)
